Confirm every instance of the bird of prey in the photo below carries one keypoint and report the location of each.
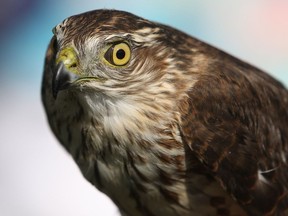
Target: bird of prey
(165, 124)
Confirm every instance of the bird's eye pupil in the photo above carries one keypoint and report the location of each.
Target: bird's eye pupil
(120, 54)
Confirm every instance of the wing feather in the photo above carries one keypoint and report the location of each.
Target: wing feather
(236, 124)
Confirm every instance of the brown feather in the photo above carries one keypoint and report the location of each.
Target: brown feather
(236, 124)
(167, 133)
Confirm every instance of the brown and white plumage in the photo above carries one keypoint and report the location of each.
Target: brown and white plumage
(180, 128)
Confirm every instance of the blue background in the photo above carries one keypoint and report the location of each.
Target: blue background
(37, 177)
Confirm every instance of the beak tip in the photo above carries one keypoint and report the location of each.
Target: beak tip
(62, 79)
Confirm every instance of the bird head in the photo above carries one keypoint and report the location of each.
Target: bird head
(107, 59)
(110, 52)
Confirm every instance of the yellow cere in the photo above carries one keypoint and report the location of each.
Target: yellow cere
(69, 58)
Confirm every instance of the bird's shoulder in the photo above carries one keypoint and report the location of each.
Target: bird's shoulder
(235, 121)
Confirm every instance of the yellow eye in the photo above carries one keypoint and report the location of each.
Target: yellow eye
(118, 54)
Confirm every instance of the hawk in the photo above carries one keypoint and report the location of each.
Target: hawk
(163, 123)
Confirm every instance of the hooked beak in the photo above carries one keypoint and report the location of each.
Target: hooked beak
(62, 78)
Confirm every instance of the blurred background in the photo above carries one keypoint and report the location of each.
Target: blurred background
(37, 177)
